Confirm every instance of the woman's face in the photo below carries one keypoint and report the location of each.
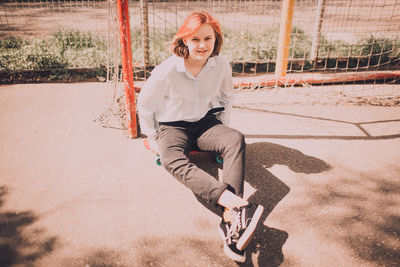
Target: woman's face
(201, 43)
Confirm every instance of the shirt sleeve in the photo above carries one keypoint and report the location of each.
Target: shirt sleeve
(226, 94)
(148, 101)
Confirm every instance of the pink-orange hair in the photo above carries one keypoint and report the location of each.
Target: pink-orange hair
(190, 25)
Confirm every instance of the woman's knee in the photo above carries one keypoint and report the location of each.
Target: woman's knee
(172, 160)
(236, 139)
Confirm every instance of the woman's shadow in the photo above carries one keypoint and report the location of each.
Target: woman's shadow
(270, 190)
(267, 243)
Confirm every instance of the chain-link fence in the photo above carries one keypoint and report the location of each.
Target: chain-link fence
(327, 35)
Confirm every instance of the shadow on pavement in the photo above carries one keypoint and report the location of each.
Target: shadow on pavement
(179, 251)
(19, 243)
(266, 246)
(101, 257)
(268, 242)
(154, 250)
(361, 211)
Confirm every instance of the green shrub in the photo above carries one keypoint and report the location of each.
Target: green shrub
(250, 47)
(77, 40)
(372, 46)
(74, 49)
(32, 55)
(61, 50)
(11, 42)
(300, 44)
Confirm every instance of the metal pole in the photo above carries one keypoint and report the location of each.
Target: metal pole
(145, 30)
(285, 30)
(127, 70)
(317, 29)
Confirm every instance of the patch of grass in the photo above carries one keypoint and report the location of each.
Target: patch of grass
(367, 52)
(11, 42)
(32, 54)
(74, 49)
(61, 50)
(158, 45)
(250, 47)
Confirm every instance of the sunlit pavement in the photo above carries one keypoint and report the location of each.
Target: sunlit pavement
(75, 194)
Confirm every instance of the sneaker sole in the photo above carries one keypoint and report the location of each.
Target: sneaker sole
(249, 232)
(232, 255)
(221, 234)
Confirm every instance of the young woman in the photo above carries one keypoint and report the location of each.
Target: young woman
(186, 103)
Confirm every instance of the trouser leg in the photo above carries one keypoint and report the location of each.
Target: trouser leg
(218, 137)
(174, 145)
(214, 136)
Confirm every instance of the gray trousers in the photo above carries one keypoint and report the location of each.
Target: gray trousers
(176, 139)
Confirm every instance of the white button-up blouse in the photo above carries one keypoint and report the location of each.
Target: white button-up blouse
(172, 93)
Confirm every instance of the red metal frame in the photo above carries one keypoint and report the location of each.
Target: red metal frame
(127, 69)
(316, 78)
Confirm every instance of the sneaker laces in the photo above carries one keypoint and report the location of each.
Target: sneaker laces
(235, 226)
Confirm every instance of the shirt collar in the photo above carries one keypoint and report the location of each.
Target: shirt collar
(211, 62)
(180, 63)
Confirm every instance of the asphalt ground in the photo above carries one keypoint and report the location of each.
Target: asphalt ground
(75, 194)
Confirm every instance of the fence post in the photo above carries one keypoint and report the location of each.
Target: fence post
(285, 30)
(145, 32)
(317, 29)
(127, 69)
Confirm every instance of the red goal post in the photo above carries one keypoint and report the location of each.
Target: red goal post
(127, 68)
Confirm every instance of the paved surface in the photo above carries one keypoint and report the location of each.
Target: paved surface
(75, 194)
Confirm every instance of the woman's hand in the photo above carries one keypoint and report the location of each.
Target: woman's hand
(153, 146)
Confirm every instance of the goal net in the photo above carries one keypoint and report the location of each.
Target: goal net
(339, 51)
